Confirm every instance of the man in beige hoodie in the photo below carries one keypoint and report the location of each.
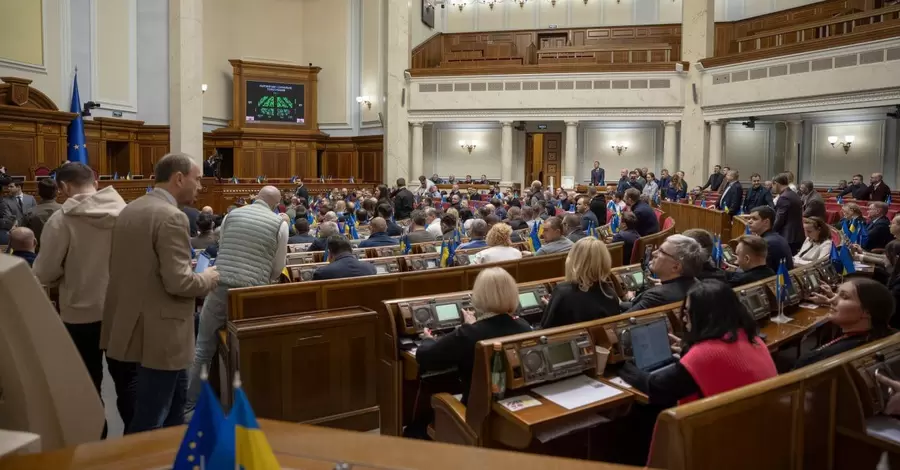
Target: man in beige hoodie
(75, 250)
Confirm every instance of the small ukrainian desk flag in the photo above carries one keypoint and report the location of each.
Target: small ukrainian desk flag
(241, 444)
(200, 437)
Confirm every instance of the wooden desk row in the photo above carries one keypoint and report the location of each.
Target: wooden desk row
(689, 216)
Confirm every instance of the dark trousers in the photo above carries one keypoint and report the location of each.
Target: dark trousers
(795, 247)
(86, 337)
(160, 399)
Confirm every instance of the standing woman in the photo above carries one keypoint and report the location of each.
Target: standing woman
(651, 189)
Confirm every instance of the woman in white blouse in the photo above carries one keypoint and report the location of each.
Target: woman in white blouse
(499, 246)
(818, 241)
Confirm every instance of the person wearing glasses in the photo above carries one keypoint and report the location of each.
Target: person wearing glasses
(676, 263)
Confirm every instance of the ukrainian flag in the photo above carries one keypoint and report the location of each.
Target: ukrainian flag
(445, 254)
(201, 436)
(847, 261)
(534, 239)
(782, 282)
(862, 235)
(703, 203)
(614, 225)
(242, 445)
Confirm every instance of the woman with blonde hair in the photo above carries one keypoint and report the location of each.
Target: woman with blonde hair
(587, 293)
(499, 246)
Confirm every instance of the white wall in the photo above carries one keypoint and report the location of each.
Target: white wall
(827, 165)
(418, 30)
(750, 150)
(444, 156)
(34, 46)
(645, 148)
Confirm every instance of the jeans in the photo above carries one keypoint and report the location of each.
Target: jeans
(124, 376)
(160, 398)
(212, 318)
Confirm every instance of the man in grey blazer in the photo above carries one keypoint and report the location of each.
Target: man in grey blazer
(148, 316)
(18, 202)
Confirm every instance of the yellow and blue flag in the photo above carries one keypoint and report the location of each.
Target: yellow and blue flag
(782, 282)
(614, 224)
(846, 261)
(534, 238)
(445, 254)
(202, 432)
(405, 246)
(862, 235)
(242, 445)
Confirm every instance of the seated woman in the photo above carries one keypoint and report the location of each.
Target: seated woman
(861, 308)
(587, 293)
(818, 241)
(499, 246)
(851, 215)
(495, 298)
(721, 350)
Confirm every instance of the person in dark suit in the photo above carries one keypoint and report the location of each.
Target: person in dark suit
(627, 235)
(18, 202)
(598, 175)
(879, 227)
(598, 205)
(23, 244)
(732, 194)
(751, 255)
(715, 179)
(760, 222)
(192, 213)
(676, 264)
(341, 261)
(788, 213)
(301, 226)
(324, 230)
(572, 227)
(813, 204)
(209, 166)
(647, 221)
(710, 269)
(877, 190)
(385, 211)
(757, 195)
(588, 218)
(302, 193)
(624, 182)
(587, 294)
(404, 201)
(7, 221)
(379, 236)
(856, 188)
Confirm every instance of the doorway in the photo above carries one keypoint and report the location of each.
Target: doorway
(543, 156)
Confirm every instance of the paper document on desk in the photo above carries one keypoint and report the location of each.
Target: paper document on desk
(519, 403)
(576, 392)
(618, 381)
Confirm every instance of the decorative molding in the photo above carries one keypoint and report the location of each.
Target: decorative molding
(831, 102)
(129, 106)
(561, 77)
(806, 56)
(769, 143)
(37, 68)
(215, 122)
(598, 114)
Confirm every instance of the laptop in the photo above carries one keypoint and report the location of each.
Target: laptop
(650, 345)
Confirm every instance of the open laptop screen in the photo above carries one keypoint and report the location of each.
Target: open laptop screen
(650, 344)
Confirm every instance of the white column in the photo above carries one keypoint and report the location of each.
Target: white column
(670, 150)
(697, 35)
(506, 151)
(396, 128)
(794, 137)
(417, 153)
(571, 156)
(185, 78)
(715, 143)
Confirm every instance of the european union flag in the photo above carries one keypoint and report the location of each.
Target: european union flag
(782, 282)
(202, 432)
(862, 235)
(77, 152)
(241, 443)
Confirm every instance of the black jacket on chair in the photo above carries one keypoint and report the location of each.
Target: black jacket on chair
(879, 234)
(457, 349)
(344, 265)
(731, 198)
(789, 217)
(667, 292)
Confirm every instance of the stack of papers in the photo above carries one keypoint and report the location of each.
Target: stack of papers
(576, 392)
(519, 403)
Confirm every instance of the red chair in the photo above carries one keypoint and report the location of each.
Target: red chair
(668, 223)
(40, 171)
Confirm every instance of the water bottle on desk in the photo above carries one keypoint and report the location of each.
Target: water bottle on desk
(498, 373)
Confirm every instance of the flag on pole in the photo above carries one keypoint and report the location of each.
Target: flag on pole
(77, 152)
(782, 282)
(534, 238)
(703, 203)
(846, 261)
(862, 235)
(241, 443)
(201, 435)
(614, 224)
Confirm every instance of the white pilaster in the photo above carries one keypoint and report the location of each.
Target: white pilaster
(670, 144)
(418, 152)
(697, 36)
(715, 143)
(791, 158)
(185, 77)
(571, 156)
(396, 127)
(506, 150)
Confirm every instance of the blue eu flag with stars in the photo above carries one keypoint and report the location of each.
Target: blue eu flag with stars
(75, 139)
(202, 432)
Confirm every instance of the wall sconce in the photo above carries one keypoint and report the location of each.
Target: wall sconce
(459, 3)
(468, 145)
(203, 88)
(846, 143)
(521, 3)
(366, 100)
(553, 3)
(619, 148)
(491, 3)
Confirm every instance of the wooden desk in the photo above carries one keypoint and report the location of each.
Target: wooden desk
(688, 216)
(301, 447)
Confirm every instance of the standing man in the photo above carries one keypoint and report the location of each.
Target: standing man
(252, 251)
(148, 317)
(856, 188)
(732, 194)
(18, 202)
(404, 201)
(715, 179)
(788, 213)
(38, 216)
(760, 220)
(647, 221)
(813, 204)
(876, 191)
(757, 195)
(664, 179)
(75, 257)
(624, 182)
(598, 175)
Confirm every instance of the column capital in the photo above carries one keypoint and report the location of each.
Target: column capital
(795, 122)
(571, 123)
(715, 122)
(670, 123)
(506, 123)
(417, 123)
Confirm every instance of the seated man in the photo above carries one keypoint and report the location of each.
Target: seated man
(705, 239)
(22, 244)
(588, 218)
(676, 264)
(627, 235)
(573, 229)
(760, 221)
(379, 236)
(751, 260)
(341, 261)
(301, 226)
(477, 232)
(418, 232)
(879, 227)
(326, 229)
(385, 211)
(647, 221)
(553, 239)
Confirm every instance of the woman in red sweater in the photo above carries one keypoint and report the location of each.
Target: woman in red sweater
(721, 350)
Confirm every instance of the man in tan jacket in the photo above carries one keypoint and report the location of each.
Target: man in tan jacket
(149, 312)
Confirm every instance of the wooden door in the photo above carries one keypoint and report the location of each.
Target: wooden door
(552, 150)
(529, 159)
(311, 376)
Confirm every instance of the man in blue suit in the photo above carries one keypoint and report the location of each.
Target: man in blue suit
(598, 175)
(879, 228)
(733, 194)
(647, 221)
(342, 262)
(379, 236)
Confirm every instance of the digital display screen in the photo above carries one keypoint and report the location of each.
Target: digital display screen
(528, 299)
(638, 278)
(431, 263)
(729, 255)
(754, 302)
(560, 353)
(447, 312)
(471, 259)
(650, 344)
(380, 269)
(275, 102)
(813, 281)
(437, 248)
(792, 289)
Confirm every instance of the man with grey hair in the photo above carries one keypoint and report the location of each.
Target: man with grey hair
(252, 251)
(326, 229)
(477, 232)
(433, 219)
(676, 264)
